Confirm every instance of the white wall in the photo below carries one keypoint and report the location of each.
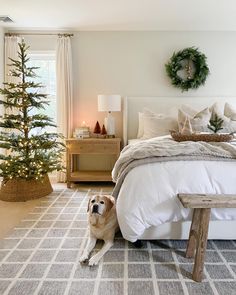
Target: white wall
(132, 63)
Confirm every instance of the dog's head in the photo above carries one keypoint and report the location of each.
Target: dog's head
(100, 204)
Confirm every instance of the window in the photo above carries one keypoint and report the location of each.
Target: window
(46, 72)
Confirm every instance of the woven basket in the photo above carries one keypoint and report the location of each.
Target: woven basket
(177, 136)
(20, 190)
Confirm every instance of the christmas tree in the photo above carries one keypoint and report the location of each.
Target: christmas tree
(97, 128)
(215, 123)
(103, 131)
(31, 151)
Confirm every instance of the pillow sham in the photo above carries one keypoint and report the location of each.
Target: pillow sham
(230, 111)
(158, 126)
(141, 115)
(198, 122)
(229, 124)
(187, 128)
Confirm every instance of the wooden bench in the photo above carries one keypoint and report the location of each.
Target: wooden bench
(202, 205)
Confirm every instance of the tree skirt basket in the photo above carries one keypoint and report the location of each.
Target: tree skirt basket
(211, 137)
(20, 190)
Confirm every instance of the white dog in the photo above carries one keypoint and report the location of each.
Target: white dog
(102, 224)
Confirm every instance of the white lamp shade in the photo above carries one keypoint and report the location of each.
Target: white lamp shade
(109, 103)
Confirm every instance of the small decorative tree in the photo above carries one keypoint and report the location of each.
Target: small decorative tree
(215, 123)
(32, 152)
(103, 131)
(97, 128)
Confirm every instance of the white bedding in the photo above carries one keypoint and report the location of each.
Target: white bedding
(148, 195)
(135, 140)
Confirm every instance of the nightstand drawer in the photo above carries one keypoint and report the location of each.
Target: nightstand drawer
(86, 148)
(111, 148)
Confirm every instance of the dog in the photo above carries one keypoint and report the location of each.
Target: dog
(103, 225)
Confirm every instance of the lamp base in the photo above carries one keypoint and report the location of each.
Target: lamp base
(110, 125)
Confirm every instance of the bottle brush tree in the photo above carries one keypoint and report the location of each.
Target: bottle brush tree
(30, 150)
(215, 123)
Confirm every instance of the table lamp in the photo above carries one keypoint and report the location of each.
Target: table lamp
(109, 103)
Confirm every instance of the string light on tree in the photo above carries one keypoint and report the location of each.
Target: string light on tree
(28, 156)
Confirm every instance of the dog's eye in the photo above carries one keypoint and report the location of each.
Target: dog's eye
(102, 202)
(93, 201)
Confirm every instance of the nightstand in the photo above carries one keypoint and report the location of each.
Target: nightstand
(75, 148)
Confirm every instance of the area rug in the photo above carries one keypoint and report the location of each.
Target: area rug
(41, 256)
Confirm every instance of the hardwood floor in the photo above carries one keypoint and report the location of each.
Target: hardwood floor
(11, 213)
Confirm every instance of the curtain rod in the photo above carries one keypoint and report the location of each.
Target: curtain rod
(39, 34)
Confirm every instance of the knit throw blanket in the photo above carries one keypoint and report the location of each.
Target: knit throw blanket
(162, 150)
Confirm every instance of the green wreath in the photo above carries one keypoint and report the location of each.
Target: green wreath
(195, 66)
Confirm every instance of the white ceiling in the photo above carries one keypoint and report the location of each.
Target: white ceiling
(190, 15)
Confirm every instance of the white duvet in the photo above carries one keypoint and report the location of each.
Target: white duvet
(148, 194)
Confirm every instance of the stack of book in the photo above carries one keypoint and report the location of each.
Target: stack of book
(82, 132)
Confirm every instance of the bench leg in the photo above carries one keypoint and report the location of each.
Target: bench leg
(201, 244)
(191, 246)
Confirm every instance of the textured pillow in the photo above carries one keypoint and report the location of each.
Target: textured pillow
(229, 124)
(230, 111)
(216, 109)
(198, 122)
(188, 110)
(158, 126)
(187, 128)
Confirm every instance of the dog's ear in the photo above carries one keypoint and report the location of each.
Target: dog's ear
(88, 204)
(110, 202)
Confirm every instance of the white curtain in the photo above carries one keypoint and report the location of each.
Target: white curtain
(64, 91)
(11, 51)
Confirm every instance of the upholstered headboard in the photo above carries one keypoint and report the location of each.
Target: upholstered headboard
(164, 105)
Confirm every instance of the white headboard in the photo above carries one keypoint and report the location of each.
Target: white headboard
(160, 104)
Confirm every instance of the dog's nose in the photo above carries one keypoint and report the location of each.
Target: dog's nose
(95, 208)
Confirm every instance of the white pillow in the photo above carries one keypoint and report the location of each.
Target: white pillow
(158, 126)
(217, 109)
(188, 110)
(230, 111)
(187, 128)
(198, 121)
(229, 124)
(146, 113)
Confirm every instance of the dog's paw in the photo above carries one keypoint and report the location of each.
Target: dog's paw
(83, 259)
(93, 261)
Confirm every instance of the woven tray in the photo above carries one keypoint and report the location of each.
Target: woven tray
(177, 136)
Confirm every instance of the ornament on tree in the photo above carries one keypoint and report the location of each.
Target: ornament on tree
(103, 131)
(216, 123)
(97, 128)
(30, 155)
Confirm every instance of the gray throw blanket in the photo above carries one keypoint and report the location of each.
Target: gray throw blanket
(162, 150)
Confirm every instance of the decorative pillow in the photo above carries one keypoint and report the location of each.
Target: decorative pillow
(229, 124)
(140, 125)
(146, 113)
(230, 111)
(198, 122)
(158, 126)
(217, 109)
(187, 128)
(188, 110)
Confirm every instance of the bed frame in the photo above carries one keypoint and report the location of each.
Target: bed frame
(170, 105)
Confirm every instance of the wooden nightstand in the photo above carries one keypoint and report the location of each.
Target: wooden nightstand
(90, 146)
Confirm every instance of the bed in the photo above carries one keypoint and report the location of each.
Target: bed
(140, 212)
